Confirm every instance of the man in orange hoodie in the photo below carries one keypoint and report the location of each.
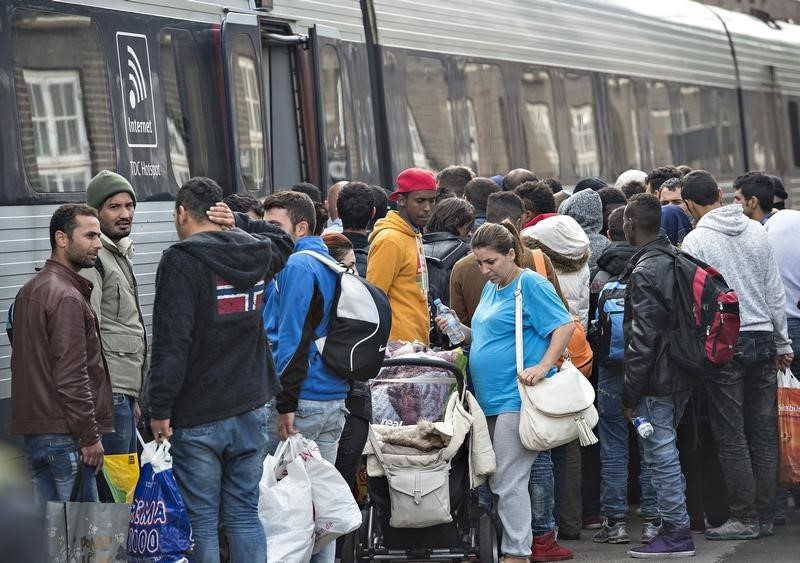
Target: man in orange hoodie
(396, 261)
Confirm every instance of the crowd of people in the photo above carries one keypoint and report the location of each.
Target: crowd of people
(232, 366)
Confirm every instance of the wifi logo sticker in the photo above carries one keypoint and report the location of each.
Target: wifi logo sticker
(135, 80)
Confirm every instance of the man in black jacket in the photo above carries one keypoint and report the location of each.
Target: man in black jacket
(654, 388)
(209, 376)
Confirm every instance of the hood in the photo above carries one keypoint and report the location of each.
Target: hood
(728, 220)
(586, 208)
(392, 222)
(675, 223)
(563, 264)
(234, 255)
(562, 234)
(616, 257)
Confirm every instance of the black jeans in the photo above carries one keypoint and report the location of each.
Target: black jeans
(744, 417)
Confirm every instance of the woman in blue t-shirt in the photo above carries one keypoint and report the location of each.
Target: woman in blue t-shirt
(547, 328)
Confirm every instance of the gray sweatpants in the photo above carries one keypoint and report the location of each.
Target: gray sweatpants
(510, 483)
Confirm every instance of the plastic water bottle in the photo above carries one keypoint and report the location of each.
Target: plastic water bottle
(453, 330)
(643, 427)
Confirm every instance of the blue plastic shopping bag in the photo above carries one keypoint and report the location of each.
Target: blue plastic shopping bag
(159, 530)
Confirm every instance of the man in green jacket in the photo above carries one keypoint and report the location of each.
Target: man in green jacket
(115, 300)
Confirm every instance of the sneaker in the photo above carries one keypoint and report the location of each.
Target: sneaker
(733, 529)
(765, 529)
(592, 522)
(546, 548)
(608, 533)
(782, 520)
(650, 530)
(670, 543)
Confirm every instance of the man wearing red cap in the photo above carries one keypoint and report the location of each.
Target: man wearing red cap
(396, 261)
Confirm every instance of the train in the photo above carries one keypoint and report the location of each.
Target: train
(261, 94)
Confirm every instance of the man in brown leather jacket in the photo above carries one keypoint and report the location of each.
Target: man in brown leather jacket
(60, 389)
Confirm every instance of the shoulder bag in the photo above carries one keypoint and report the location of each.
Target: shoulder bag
(558, 409)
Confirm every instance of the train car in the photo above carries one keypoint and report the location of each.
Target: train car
(260, 94)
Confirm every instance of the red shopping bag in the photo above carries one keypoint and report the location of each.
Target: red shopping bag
(789, 429)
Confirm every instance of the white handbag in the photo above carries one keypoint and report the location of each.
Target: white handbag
(558, 409)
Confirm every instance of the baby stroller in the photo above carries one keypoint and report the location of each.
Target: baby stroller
(433, 452)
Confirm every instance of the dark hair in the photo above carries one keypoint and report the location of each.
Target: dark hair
(504, 205)
(64, 219)
(242, 203)
(450, 215)
(298, 206)
(591, 183)
(516, 177)
(381, 204)
(611, 196)
(615, 220)
(500, 237)
(309, 189)
(537, 197)
(700, 187)
(454, 179)
(197, 196)
(443, 194)
(477, 192)
(632, 188)
(645, 209)
(354, 205)
(337, 244)
(659, 175)
(553, 184)
(684, 169)
(757, 184)
(321, 217)
(671, 184)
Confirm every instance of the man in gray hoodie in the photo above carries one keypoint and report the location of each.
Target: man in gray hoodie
(742, 398)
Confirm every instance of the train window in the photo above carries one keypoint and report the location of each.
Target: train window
(757, 117)
(190, 148)
(538, 117)
(660, 110)
(585, 148)
(248, 124)
(725, 108)
(794, 130)
(336, 148)
(430, 124)
(486, 94)
(624, 124)
(62, 99)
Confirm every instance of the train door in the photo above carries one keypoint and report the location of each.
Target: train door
(248, 143)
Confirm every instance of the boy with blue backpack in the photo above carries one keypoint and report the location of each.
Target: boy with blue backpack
(613, 427)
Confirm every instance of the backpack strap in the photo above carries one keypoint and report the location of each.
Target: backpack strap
(538, 262)
(329, 262)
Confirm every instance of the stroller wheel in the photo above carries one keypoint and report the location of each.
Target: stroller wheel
(487, 540)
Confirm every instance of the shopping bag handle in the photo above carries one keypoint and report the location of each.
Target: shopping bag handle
(77, 485)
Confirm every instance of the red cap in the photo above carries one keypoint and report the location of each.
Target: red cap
(414, 180)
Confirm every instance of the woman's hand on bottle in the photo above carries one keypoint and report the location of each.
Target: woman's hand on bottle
(533, 375)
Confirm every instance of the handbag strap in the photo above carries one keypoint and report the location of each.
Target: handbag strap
(518, 324)
(376, 447)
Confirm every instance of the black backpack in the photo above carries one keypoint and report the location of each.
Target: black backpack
(704, 324)
(359, 326)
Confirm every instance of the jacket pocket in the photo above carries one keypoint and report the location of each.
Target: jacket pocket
(123, 344)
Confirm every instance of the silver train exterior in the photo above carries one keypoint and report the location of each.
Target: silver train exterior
(566, 87)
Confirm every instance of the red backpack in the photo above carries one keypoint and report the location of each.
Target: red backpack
(704, 325)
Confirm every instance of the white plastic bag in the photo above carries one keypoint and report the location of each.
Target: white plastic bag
(336, 512)
(285, 506)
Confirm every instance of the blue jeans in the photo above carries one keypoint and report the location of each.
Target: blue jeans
(743, 412)
(123, 440)
(53, 462)
(614, 430)
(660, 452)
(542, 491)
(218, 466)
(323, 422)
